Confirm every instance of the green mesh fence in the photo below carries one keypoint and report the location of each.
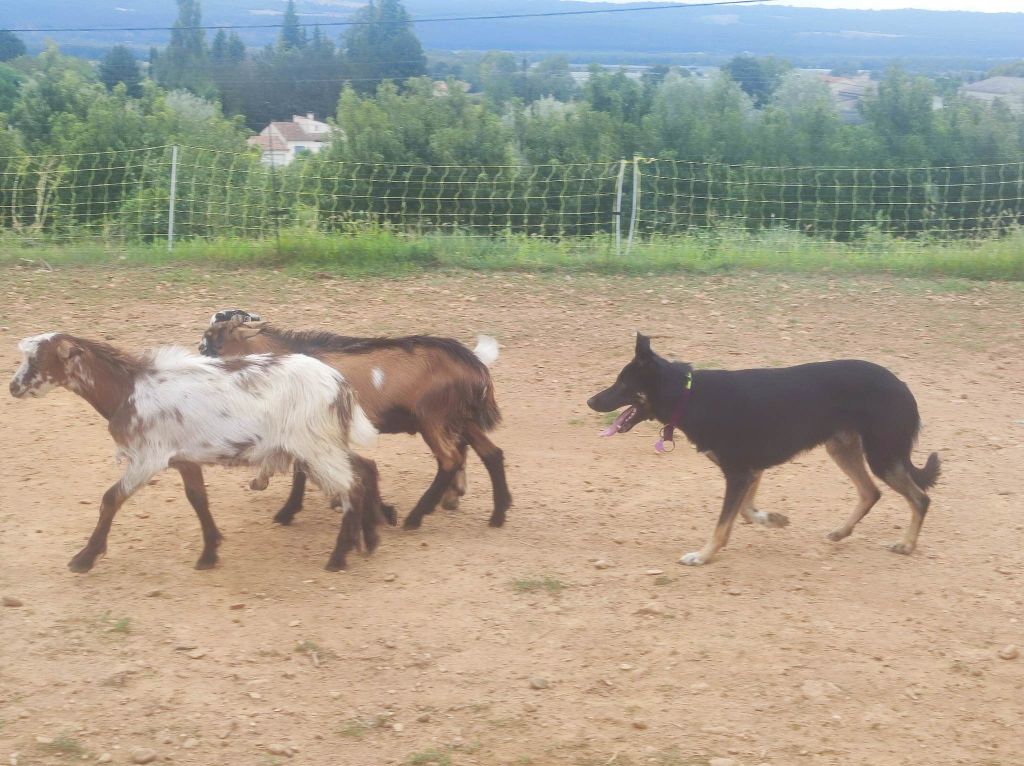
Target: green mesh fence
(129, 196)
(841, 204)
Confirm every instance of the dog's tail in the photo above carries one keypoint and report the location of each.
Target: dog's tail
(927, 476)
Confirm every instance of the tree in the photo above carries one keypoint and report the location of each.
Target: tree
(759, 77)
(381, 45)
(120, 66)
(184, 63)
(11, 45)
(10, 81)
(292, 36)
(551, 77)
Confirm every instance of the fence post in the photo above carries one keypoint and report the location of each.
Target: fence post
(617, 212)
(171, 200)
(636, 199)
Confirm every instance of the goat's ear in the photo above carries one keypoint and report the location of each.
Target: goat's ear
(68, 349)
(246, 331)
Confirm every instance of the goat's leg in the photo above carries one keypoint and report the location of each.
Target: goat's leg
(113, 499)
(446, 450)
(195, 491)
(450, 500)
(294, 502)
(494, 460)
(370, 510)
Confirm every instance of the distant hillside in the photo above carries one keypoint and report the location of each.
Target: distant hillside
(796, 33)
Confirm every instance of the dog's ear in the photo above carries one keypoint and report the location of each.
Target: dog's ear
(643, 347)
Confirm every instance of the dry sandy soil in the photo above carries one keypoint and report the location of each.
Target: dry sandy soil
(788, 649)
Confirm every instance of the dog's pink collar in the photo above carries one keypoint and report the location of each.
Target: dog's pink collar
(677, 415)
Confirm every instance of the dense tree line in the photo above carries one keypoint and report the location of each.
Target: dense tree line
(375, 85)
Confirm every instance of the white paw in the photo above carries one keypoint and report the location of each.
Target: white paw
(903, 548)
(694, 559)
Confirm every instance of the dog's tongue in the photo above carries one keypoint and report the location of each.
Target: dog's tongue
(617, 424)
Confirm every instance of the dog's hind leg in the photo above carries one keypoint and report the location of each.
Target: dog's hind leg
(900, 480)
(848, 453)
(737, 485)
(751, 515)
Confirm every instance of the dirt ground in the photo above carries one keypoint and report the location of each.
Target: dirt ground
(788, 649)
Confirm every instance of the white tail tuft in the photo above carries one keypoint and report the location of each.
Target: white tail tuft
(486, 349)
(361, 433)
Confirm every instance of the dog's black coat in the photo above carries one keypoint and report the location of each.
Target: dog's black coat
(750, 420)
(754, 419)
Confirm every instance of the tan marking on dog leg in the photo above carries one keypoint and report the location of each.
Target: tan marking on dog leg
(848, 453)
(736, 488)
(900, 480)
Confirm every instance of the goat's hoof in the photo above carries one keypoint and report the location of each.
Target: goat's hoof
(284, 519)
(839, 533)
(496, 521)
(259, 484)
(206, 562)
(81, 563)
(389, 513)
(450, 503)
(412, 522)
(903, 548)
(334, 566)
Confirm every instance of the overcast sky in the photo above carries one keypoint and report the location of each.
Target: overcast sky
(988, 6)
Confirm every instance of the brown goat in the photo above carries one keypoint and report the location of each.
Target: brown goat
(418, 384)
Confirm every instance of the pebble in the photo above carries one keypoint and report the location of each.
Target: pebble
(538, 683)
(655, 571)
(625, 666)
(44, 740)
(143, 755)
(389, 578)
(189, 743)
(398, 727)
(700, 686)
(294, 623)
(104, 758)
(423, 717)
(279, 749)
(154, 593)
(1009, 652)
(641, 725)
(12, 601)
(722, 762)
(818, 690)
(602, 564)
(734, 592)
(651, 608)
(237, 606)
(196, 654)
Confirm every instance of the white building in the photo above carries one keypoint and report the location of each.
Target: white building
(281, 142)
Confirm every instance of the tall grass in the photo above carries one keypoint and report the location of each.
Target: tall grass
(381, 252)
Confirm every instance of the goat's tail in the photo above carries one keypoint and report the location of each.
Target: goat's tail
(361, 432)
(927, 476)
(486, 350)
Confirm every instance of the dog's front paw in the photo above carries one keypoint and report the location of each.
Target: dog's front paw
(694, 559)
(903, 548)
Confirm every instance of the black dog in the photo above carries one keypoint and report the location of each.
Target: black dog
(750, 420)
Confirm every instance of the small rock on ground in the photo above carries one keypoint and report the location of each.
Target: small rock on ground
(12, 601)
(538, 683)
(1009, 652)
(279, 749)
(722, 762)
(143, 755)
